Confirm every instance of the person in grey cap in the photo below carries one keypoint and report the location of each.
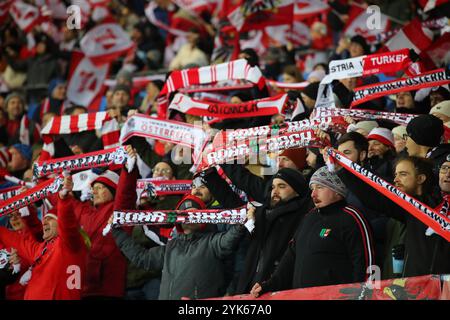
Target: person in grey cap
(332, 246)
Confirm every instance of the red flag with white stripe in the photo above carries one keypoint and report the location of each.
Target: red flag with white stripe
(412, 36)
(25, 15)
(86, 81)
(105, 43)
(358, 23)
(305, 9)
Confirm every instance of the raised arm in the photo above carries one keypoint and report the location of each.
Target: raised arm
(253, 185)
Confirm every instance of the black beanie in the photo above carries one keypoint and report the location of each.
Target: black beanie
(361, 41)
(293, 178)
(311, 90)
(426, 130)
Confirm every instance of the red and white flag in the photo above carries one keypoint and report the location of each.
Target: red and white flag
(25, 15)
(305, 9)
(412, 36)
(249, 15)
(428, 5)
(105, 43)
(434, 56)
(86, 81)
(360, 23)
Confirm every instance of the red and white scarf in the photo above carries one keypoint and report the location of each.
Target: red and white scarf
(135, 217)
(39, 192)
(433, 219)
(255, 108)
(80, 123)
(433, 78)
(157, 187)
(241, 149)
(166, 130)
(8, 193)
(360, 66)
(224, 138)
(233, 70)
(399, 118)
(103, 158)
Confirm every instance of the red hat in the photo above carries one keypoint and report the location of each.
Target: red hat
(382, 135)
(51, 213)
(190, 202)
(298, 156)
(108, 178)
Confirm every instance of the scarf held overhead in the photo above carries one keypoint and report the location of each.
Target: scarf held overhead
(80, 123)
(262, 107)
(388, 62)
(242, 149)
(157, 187)
(166, 130)
(103, 158)
(233, 70)
(440, 224)
(433, 78)
(224, 138)
(399, 118)
(134, 217)
(39, 192)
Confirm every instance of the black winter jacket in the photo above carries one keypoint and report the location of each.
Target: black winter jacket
(424, 254)
(273, 230)
(333, 245)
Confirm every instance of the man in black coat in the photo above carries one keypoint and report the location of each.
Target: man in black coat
(425, 253)
(275, 223)
(333, 244)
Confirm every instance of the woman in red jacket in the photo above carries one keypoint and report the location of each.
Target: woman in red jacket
(57, 264)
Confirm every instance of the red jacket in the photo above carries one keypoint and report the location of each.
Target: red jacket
(52, 274)
(106, 266)
(33, 229)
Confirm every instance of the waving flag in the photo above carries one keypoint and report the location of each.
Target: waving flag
(86, 81)
(305, 9)
(105, 43)
(250, 15)
(25, 15)
(412, 36)
(358, 23)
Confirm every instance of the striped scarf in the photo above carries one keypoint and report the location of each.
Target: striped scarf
(430, 217)
(233, 70)
(255, 108)
(80, 123)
